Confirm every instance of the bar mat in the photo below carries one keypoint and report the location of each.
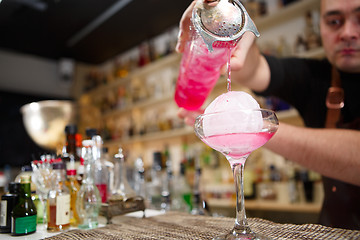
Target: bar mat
(175, 225)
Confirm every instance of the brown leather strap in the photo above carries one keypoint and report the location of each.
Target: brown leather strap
(334, 100)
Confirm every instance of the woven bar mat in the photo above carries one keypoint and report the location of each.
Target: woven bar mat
(174, 225)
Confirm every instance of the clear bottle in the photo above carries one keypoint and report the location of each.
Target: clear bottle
(8, 202)
(139, 178)
(122, 189)
(23, 216)
(74, 187)
(58, 202)
(181, 192)
(102, 179)
(88, 200)
(155, 187)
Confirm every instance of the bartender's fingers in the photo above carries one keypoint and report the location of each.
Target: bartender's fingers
(189, 116)
(239, 54)
(184, 28)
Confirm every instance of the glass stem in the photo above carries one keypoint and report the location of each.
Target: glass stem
(241, 225)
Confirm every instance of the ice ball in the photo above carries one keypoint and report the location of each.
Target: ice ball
(232, 120)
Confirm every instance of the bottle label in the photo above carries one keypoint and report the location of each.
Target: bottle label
(24, 225)
(63, 209)
(3, 214)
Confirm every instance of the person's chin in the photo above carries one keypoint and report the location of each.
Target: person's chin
(349, 64)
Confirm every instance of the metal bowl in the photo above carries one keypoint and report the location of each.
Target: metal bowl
(45, 122)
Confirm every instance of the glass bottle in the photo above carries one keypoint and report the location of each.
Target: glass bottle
(8, 202)
(155, 187)
(139, 178)
(88, 200)
(58, 202)
(73, 186)
(101, 170)
(122, 189)
(23, 216)
(181, 192)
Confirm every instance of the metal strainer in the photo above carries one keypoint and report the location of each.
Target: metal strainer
(221, 20)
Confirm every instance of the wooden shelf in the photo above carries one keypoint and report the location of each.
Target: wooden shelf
(267, 205)
(161, 135)
(285, 14)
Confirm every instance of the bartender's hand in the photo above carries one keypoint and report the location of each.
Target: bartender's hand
(239, 54)
(189, 116)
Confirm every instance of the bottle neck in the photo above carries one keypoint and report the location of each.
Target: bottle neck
(89, 171)
(25, 190)
(71, 144)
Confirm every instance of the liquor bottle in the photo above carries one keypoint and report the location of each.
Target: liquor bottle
(23, 215)
(8, 202)
(167, 182)
(73, 186)
(70, 156)
(122, 189)
(58, 202)
(155, 187)
(102, 173)
(181, 192)
(139, 178)
(88, 200)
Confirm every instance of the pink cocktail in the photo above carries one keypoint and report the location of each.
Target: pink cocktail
(238, 145)
(199, 71)
(236, 136)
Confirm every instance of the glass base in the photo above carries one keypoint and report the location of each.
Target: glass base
(245, 236)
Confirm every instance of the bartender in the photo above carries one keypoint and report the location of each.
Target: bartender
(325, 92)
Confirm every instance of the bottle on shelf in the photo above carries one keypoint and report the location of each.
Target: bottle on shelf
(88, 200)
(155, 187)
(23, 216)
(73, 186)
(58, 202)
(181, 192)
(122, 189)
(8, 202)
(199, 206)
(139, 178)
(70, 155)
(167, 181)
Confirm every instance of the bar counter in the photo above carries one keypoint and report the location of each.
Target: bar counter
(176, 225)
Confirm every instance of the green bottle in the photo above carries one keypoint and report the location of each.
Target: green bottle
(23, 216)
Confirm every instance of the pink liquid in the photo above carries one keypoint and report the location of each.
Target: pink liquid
(199, 71)
(237, 145)
(103, 192)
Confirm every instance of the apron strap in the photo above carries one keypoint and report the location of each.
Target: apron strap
(334, 100)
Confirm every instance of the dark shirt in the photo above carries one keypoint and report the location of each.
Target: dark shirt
(304, 83)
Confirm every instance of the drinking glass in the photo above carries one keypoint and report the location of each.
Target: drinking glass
(236, 134)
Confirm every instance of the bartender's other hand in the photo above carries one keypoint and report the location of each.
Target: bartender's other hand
(184, 28)
(239, 54)
(189, 116)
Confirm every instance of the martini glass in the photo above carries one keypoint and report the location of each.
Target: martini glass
(236, 134)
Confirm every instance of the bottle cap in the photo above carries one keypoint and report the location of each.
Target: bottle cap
(14, 187)
(90, 132)
(71, 129)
